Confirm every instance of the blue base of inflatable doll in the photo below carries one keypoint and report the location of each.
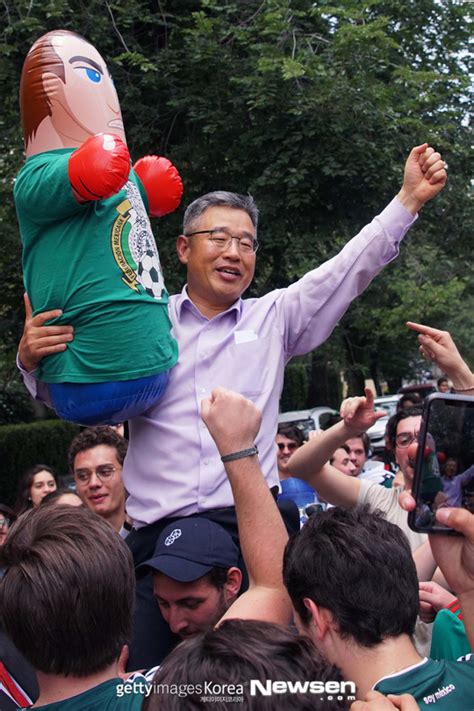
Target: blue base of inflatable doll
(106, 403)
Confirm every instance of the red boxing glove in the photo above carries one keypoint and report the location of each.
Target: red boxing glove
(99, 168)
(162, 183)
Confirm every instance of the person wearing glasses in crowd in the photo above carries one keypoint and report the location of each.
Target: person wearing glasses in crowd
(95, 459)
(6, 519)
(173, 468)
(288, 439)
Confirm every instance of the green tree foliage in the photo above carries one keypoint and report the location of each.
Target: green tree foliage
(295, 389)
(310, 106)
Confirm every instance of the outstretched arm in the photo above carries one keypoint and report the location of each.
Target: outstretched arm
(234, 422)
(310, 461)
(439, 347)
(310, 308)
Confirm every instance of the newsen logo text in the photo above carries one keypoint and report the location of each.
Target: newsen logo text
(328, 688)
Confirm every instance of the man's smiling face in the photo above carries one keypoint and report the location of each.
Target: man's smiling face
(217, 277)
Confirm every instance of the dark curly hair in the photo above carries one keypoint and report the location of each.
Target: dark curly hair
(94, 437)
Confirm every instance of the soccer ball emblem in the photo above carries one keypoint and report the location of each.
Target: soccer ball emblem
(149, 274)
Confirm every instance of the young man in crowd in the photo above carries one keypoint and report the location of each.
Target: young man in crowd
(195, 574)
(341, 460)
(443, 385)
(66, 602)
(95, 459)
(354, 587)
(173, 471)
(364, 468)
(288, 439)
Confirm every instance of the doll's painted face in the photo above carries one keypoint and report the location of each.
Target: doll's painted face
(86, 102)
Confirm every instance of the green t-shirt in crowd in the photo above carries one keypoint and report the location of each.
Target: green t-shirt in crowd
(449, 639)
(437, 685)
(111, 695)
(98, 262)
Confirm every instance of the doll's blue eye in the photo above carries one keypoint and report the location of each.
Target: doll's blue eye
(93, 75)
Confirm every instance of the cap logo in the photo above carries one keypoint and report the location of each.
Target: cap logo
(174, 535)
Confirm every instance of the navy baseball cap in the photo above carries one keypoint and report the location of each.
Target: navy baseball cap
(188, 548)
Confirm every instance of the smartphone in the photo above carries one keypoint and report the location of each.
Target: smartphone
(444, 465)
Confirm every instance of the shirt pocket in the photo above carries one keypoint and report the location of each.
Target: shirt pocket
(248, 366)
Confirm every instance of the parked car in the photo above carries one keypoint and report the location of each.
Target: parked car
(388, 403)
(316, 418)
(377, 435)
(377, 431)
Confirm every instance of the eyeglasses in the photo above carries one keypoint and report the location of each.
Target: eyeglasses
(221, 239)
(104, 472)
(5, 521)
(291, 446)
(404, 439)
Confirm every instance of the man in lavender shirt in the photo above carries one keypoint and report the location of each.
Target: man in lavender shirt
(173, 468)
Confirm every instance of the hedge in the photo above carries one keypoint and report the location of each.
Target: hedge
(23, 446)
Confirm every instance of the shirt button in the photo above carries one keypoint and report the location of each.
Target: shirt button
(206, 462)
(202, 390)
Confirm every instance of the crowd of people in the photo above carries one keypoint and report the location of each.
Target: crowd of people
(179, 578)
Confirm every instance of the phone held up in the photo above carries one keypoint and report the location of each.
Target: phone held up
(444, 465)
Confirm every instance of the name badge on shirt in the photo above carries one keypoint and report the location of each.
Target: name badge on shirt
(245, 336)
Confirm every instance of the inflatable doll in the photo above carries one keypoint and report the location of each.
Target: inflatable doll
(88, 248)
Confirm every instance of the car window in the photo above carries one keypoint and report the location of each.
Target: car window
(389, 407)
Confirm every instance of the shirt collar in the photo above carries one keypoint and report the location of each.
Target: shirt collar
(401, 672)
(184, 300)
